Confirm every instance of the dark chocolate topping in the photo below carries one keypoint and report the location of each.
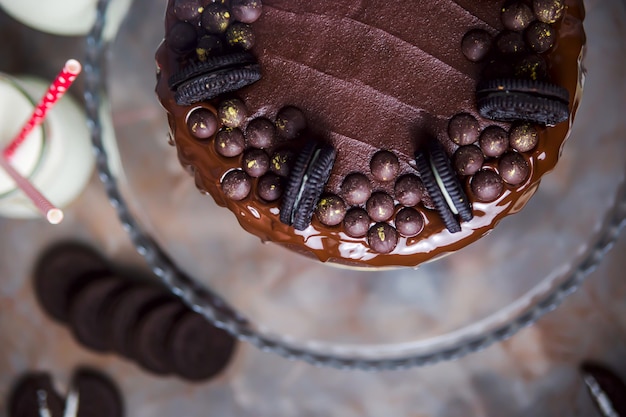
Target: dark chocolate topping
(361, 98)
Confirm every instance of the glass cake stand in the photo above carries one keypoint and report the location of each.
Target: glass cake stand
(300, 309)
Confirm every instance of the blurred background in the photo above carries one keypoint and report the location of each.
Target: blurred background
(535, 372)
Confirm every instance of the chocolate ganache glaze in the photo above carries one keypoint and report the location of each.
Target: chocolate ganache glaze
(376, 83)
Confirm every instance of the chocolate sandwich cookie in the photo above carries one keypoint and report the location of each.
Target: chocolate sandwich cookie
(151, 334)
(511, 100)
(97, 395)
(306, 183)
(215, 76)
(607, 389)
(443, 186)
(126, 310)
(61, 271)
(88, 308)
(31, 393)
(199, 349)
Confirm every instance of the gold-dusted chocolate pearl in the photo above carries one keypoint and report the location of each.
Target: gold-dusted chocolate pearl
(236, 185)
(229, 142)
(356, 222)
(270, 187)
(281, 162)
(290, 122)
(476, 44)
(384, 166)
(463, 129)
(409, 222)
(549, 11)
(513, 168)
(523, 137)
(216, 18)
(487, 185)
(494, 141)
(202, 123)
(232, 112)
(510, 43)
(240, 34)
(331, 210)
(540, 37)
(382, 238)
(531, 67)
(516, 16)
(468, 159)
(246, 11)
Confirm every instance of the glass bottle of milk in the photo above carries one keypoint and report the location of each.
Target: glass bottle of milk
(56, 156)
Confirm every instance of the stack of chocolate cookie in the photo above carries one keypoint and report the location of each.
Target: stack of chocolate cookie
(109, 311)
(92, 394)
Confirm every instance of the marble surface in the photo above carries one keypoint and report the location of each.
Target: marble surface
(533, 373)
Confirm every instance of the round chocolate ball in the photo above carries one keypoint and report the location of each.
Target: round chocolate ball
(531, 67)
(246, 11)
(187, 10)
(270, 187)
(409, 222)
(290, 122)
(331, 210)
(516, 16)
(380, 206)
(236, 185)
(540, 36)
(215, 18)
(229, 142)
(487, 185)
(523, 137)
(232, 112)
(182, 37)
(356, 223)
(281, 162)
(409, 190)
(510, 43)
(549, 11)
(494, 141)
(384, 166)
(260, 133)
(463, 129)
(476, 44)
(202, 123)
(382, 238)
(513, 168)
(468, 159)
(255, 162)
(356, 188)
(209, 45)
(240, 35)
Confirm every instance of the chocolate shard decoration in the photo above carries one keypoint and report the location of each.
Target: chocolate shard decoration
(511, 100)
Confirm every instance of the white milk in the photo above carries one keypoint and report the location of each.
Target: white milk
(56, 157)
(65, 17)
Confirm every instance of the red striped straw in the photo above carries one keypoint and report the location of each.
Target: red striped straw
(57, 89)
(53, 214)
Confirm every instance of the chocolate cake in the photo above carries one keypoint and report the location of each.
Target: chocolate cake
(365, 134)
